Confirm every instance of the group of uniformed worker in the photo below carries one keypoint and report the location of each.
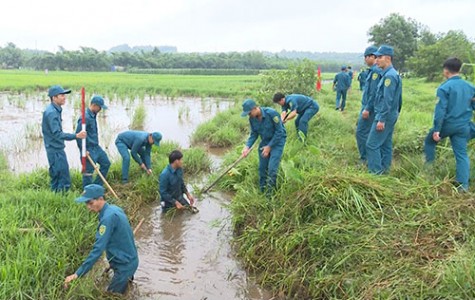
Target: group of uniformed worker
(114, 234)
(380, 107)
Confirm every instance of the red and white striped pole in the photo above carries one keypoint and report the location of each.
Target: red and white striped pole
(83, 128)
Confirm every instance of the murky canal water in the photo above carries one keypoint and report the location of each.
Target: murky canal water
(185, 256)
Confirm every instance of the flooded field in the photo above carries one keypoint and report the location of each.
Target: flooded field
(20, 124)
(185, 256)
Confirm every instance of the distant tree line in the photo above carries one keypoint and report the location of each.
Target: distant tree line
(418, 51)
(90, 59)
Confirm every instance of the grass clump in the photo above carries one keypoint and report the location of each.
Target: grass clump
(332, 231)
(227, 129)
(138, 118)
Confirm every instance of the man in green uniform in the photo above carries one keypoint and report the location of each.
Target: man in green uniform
(341, 84)
(140, 145)
(54, 138)
(452, 118)
(172, 185)
(96, 152)
(266, 123)
(387, 106)
(298, 105)
(114, 235)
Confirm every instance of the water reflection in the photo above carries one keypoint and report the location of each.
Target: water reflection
(20, 124)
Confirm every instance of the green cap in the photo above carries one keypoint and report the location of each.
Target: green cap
(385, 50)
(247, 106)
(91, 191)
(98, 100)
(56, 90)
(157, 137)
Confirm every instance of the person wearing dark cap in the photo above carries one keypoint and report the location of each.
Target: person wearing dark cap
(114, 236)
(341, 84)
(266, 123)
(387, 106)
(97, 154)
(172, 187)
(140, 145)
(54, 137)
(366, 117)
(452, 118)
(350, 73)
(298, 105)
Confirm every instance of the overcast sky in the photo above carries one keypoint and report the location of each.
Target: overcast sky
(218, 25)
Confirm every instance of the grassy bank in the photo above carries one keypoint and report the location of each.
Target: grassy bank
(45, 236)
(332, 231)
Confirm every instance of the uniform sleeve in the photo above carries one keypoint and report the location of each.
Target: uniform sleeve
(335, 80)
(183, 185)
(103, 234)
(78, 129)
(389, 91)
(279, 131)
(54, 124)
(252, 136)
(164, 184)
(145, 154)
(440, 109)
(136, 147)
(371, 87)
(293, 104)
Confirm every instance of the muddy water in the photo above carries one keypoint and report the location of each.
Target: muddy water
(185, 256)
(20, 124)
(188, 256)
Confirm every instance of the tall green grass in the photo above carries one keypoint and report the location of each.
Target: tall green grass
(332, 231)
(45, 236)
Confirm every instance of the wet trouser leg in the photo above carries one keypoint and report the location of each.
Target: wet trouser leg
(104, 162)
(362, 131)
(58, 170)
(379, 147)
(121, 278)
(99, 156)
(124, 152)
(269, 167)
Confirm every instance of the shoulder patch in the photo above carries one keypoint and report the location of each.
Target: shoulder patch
(102, 229)
(276, 119)
(375, 76)
(387, 82)
(290, 104)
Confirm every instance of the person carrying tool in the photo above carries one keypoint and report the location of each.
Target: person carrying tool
(366, 117)
(341, 84)
(97, 154)
(114, 236)
(172, 186)
(140, 145)
(296, 104)
(54, 137)
(387, 106)
(266, 123)
(452, 118)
